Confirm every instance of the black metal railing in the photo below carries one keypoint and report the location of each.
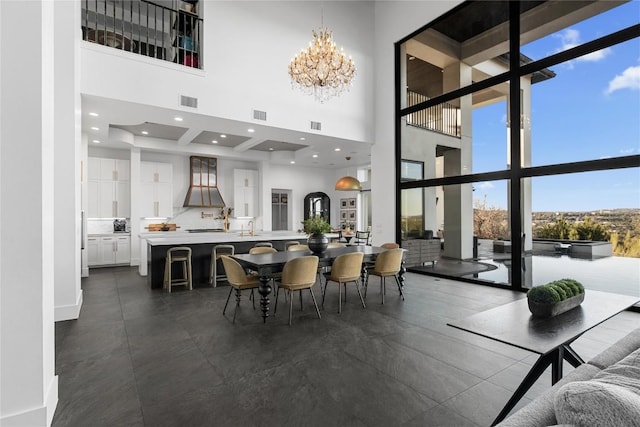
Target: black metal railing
(443, 118)
(145, 28)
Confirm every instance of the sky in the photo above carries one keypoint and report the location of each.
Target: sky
(589, 110)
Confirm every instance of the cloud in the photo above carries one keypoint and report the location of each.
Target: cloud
(629, 79)
(570, 38)
(627, 151)
(485, 186)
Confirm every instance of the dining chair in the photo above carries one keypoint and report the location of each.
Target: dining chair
(298, 274)
(297, 247)
(390, 245)
(239, 281)
(291, 243)
(388, 263)
(216, 253)
(345, 269)
(263, 244)
(336, 245)
(262, 250)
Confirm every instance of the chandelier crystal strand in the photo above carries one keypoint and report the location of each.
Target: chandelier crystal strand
(322, 70)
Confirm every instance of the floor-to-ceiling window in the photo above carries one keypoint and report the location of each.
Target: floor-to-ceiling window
(524, 116)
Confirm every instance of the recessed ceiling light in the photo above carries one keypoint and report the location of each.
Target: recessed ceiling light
(223, 135)
(270, 148)
(96, 141)
(178, 119)
(94, 128)
(293, 162)
(250, 130)
(144, 132)
(302, 138)
(337, 149)
(315, 156)
(214, 141)
(94, 114)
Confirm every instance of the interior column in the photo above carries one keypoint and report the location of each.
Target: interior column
(28, 386)
(67, 164)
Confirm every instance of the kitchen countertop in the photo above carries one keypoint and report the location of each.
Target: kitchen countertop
(159, 238)
(120, 233)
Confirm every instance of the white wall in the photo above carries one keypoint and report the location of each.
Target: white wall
(393, 21)
(247, 48)
(28, 386)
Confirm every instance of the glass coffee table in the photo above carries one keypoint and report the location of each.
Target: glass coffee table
(551, 337)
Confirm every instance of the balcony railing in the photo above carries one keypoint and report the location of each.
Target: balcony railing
(443, 118)
(145, 28)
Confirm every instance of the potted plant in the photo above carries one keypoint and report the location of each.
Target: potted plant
(316, 227)
(555, 297)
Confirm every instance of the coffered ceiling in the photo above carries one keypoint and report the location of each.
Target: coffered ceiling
(123, 125)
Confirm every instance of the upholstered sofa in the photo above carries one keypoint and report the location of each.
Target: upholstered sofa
(605, 391)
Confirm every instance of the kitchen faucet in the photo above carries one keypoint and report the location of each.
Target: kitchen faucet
(250, 224)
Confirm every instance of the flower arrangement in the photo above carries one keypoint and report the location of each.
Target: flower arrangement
(316, 225)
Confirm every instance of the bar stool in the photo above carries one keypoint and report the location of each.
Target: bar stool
(216, 253)
(181, 254)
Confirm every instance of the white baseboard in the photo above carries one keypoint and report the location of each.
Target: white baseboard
(68, 312)
(84, 272)
(135, 262)
(36, 417)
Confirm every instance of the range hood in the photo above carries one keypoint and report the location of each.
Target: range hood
(203, 188)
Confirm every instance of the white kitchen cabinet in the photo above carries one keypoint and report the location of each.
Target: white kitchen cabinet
(245, 194)
(93, 249)
(108, 188)
(123, 250)
(156, 184)
(109, 250)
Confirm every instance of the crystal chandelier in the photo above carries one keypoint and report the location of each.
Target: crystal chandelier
(321, 69)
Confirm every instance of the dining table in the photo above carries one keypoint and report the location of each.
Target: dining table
(269, 264)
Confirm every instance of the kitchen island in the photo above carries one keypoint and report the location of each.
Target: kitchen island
(154, 246)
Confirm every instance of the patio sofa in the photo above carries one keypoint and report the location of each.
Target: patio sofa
(603, 391)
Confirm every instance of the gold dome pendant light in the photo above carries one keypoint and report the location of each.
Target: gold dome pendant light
(348, 183)
(321, 69)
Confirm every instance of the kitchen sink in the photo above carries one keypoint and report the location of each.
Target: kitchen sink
(205, 230)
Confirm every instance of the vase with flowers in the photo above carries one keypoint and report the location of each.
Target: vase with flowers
(316, 227)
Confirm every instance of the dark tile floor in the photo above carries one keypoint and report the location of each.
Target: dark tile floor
(138, 357)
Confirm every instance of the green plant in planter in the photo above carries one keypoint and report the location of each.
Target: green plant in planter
(543, 295)
(556, 291)
(316, 225)
(555, 297)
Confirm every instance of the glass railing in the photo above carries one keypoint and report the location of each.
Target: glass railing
(145, 28)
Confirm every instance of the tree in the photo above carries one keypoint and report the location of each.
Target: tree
(489, 222)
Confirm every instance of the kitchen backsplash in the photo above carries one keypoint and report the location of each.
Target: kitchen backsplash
(187, 218)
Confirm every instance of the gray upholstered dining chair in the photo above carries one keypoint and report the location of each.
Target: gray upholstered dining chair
(345, 269)
(388, 264)
(239, 281)
(298, 274)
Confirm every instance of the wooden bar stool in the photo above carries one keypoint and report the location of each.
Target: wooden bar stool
(181, 254)
(216, 253)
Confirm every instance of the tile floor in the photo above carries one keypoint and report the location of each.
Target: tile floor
(138, 357)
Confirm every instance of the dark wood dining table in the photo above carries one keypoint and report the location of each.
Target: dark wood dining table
(266, 265)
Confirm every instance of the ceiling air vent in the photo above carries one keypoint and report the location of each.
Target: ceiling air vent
(188, 101)
(316, 125)
(259, 115)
